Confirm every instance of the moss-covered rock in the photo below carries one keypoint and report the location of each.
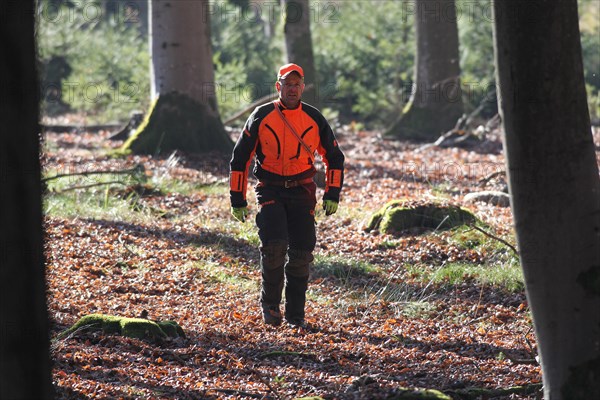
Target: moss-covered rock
(131, 327)
(397, 216)
(171, 328)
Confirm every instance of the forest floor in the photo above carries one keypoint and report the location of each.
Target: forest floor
(438, 309)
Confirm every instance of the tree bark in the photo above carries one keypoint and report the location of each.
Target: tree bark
(185, 114)
(298, 44)
(555, 187)
(435, 103)
(24, 345)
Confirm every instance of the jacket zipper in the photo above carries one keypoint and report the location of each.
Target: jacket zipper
(283, 150)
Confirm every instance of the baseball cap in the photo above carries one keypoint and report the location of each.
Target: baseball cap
(285, 70)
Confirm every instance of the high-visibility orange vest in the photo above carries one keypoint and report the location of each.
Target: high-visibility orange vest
(279, 154)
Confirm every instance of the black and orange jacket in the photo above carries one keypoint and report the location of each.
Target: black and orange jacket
(279, 155)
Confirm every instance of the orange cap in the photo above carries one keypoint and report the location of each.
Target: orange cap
(285, 70)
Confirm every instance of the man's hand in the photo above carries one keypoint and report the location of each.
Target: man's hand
(330, 206)
(239, 213)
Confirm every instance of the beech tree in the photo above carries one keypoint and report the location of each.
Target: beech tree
(24, 353)
(184, 114)
(298, 44)
(435, 104)
(554, 184)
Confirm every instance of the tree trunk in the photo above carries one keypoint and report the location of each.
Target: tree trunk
(24, 352)
(555, 187)
(435, 103)
(298, 44)
(184, 115)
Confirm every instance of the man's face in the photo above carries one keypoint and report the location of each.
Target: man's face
(290, 90)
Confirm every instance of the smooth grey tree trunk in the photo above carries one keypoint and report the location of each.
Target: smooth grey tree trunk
(555, 187)
(185, 114)
(299, 47)
(24, 340)
(181, 50)
(436, 103)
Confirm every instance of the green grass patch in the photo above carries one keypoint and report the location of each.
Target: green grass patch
(506, 276)
(99, 196)
(247, 232)
(341, 269)
(389, 244)
(356, 286)
(187, 188)
(95, 204)
(470, 238)
(167, 184)
(225, 274)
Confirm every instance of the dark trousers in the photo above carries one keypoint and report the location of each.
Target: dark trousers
(286, 227)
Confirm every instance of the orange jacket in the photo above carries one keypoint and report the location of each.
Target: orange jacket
(279, 154)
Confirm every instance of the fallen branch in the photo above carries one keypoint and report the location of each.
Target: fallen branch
(78, 128)
(237, 392)
(479, 301)
(135, 170)
(504, 242)
(286, 353)
(530, 361)
(89, 186)
(127, 247)
(477, 393)
(532, 351)
(484, 181)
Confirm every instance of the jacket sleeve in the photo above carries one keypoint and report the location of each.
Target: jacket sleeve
(334, 161)
(240, 162)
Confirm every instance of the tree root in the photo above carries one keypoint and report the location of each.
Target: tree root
(504, 242)
(479, 393)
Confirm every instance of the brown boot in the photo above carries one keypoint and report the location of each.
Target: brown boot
(271, 315)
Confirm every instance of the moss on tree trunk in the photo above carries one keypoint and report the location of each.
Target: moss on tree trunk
(177, 122)
(426, 123)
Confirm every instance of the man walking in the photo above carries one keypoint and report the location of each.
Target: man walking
(284, 136)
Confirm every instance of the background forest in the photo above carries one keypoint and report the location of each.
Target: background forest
(395, 308)
(95, 62)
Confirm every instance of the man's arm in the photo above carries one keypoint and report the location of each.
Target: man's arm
(240, 163)
(334, 162)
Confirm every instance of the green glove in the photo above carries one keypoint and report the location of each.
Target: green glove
(239, 213)
(330, 206)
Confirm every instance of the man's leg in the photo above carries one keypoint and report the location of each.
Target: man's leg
(272, 231)
(297, 271)
(301, 223)
(272, 260)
